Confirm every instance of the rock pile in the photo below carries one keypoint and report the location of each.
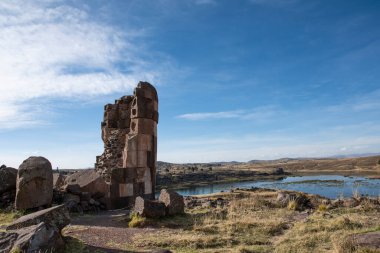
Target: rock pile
(84, 191)
(193, 202)
(34, 184)
(36, 232)
(169, 203)
(8, 177)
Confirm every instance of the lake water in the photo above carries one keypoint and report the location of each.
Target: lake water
(330, 186)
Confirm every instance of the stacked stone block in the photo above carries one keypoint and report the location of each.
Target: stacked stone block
(129, 132)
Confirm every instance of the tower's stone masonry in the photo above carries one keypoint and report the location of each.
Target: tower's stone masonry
(129, 133)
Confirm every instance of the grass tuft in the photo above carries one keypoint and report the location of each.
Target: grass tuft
(136, 221)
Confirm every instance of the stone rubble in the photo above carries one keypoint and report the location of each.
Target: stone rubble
(36, 232)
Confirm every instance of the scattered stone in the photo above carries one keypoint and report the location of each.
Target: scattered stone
(279, 171)
(58, 181)
(88, 181)
(149, 208)
(71, 198)
(8, 177)
(173, 201)
(369, 240)
(34, 183)
(350, 202)
(73, 189)
(301, 200)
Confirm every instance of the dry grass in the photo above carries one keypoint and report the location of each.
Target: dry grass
(253, 222)
(7, 218)
(328, 232)
(248, 224)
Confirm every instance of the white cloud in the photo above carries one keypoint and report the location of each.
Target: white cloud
(259, 113)
(54, 50)
(211, 115)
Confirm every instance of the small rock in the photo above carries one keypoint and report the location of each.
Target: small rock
(173, 201)
(73, 188)
(149, 208)
(71, 198)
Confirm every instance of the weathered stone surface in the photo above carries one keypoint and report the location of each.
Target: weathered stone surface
(57, 217)
(8, 177)
(369, 240)
(173, 201)
(34, 183)
(302, 202)
(129, 133)
(58, 181)
(32, 239)
(7, 241)
(73, 189)
(89, 181)
(149, 208)
(71, 198)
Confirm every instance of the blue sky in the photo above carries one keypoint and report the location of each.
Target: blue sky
(237, 80)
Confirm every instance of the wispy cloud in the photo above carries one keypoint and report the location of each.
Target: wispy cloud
(212, 115)
(54, 50)
(259, 113)
(264, 146)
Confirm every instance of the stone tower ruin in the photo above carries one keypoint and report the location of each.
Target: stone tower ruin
(129, 133)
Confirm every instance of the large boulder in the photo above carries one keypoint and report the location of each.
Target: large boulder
(36, 238)
(149, 208)
(89, 181)
(8, 177)
(34, 183)
(36, 232)
(173, 201)
(56, 216)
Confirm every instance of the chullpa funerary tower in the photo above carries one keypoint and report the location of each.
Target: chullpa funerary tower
(129, 133)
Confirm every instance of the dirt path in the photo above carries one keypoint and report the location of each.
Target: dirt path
(106, 231)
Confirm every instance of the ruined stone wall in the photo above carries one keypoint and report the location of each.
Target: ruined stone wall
(115, 127)
(129, 133)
